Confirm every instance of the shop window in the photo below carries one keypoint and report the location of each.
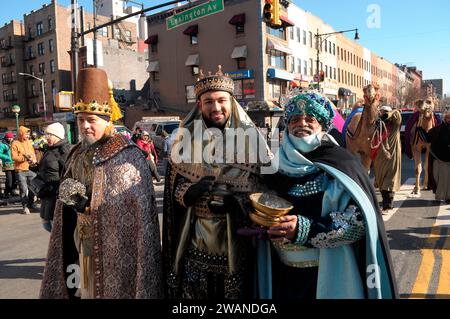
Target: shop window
(190, 94)
(240, 28)
(194, 39)
(241, 63)
(155, 76)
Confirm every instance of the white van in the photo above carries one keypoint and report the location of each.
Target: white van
(155, 126)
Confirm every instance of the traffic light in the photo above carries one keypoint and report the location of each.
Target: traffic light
(272, 12)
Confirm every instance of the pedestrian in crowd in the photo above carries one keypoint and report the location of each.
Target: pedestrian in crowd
(39, 145)
(387, 156)
(22, 153)
(8, 164)
(439, 137)
(147, 145)
(204, 200)
(137, 134)
(105, 219)
(50, 170)
(327, 244)
(268, 130)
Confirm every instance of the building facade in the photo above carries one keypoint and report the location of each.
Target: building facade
(11, 55)
(40, 49)
(435, 87)
(265, 62)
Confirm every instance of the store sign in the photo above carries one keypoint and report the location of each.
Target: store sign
(195, 13)
(242, 74)
(280, 74)
(64, 117)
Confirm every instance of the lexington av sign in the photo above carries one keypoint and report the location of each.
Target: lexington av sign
(194, 13)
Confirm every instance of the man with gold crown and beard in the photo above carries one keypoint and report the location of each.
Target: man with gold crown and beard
(105, 241)
(206, 197)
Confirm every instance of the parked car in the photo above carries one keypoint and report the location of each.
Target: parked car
(155, 126)
(157, 134)
(406, 115)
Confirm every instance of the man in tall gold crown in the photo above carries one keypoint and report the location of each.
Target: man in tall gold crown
(206, 197)
(105, 241)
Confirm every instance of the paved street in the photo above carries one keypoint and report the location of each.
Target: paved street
(418, 232)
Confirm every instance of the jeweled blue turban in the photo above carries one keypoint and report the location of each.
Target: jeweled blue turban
(311, 104)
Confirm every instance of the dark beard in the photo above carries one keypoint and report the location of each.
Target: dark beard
(209, 124)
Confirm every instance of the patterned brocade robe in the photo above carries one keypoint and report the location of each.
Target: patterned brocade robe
(204, 257)
(121, 232)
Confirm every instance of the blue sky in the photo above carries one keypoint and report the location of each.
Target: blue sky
(412, 32)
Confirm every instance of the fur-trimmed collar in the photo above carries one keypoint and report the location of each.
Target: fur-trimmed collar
(108, 149)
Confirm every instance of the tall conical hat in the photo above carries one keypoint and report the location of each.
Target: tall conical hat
(94, 94)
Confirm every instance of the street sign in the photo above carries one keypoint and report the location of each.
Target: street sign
(194, 13)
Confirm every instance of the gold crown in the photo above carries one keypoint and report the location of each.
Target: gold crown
(216, 82)
(93, 108)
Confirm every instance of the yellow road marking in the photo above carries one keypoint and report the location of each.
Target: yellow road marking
(427, 264)
(444, 275)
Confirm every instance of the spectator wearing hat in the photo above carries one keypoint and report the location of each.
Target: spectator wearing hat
(8, 164)
(51, 170)
(23, 155)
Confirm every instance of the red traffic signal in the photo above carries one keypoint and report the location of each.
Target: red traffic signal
(268, 10)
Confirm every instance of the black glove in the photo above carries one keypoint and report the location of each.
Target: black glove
(81, 202)
(203, 186)
(230, 205)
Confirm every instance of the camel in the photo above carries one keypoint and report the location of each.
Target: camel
(417, 142)
(361, 127)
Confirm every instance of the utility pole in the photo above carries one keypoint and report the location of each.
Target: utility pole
(94, 3)
(318, 44)
(74, 45)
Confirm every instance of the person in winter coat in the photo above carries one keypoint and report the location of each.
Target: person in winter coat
(8, 164)
(22, 153)
(51, 169)
(146, 144)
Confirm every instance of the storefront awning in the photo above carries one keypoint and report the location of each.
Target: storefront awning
(153, 66)
(238, 19)
(191, 30)
(344, 92)
(272, 45)
(193, 59)
(286, 22)
(153, 39)
(239, 52)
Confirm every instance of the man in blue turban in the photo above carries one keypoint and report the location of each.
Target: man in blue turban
(333, 243)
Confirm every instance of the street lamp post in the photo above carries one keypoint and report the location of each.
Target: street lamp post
(319, 41)
(43, 91)
(16, 111)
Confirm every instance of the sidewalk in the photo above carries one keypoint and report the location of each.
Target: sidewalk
(23, 249)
